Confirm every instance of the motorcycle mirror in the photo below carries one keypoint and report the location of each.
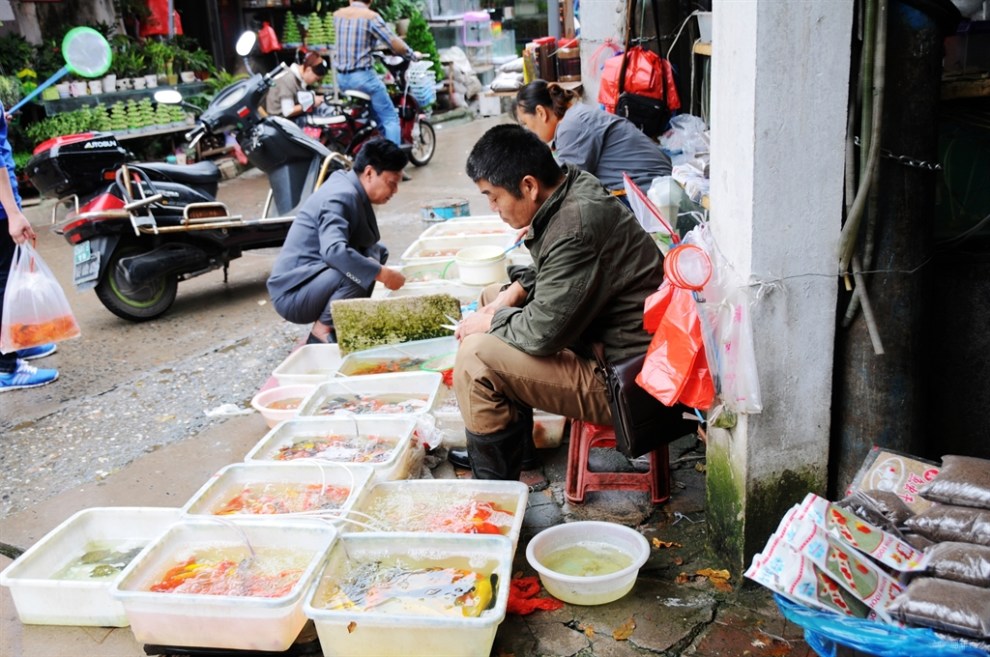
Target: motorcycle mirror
(245, 44)
(87, 54)
(168, 96)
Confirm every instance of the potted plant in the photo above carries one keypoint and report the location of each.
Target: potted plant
(161, 59)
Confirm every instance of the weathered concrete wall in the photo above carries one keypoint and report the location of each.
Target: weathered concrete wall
(601, 20)
(779, 89)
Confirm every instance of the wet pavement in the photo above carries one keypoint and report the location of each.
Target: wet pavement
(126, 426)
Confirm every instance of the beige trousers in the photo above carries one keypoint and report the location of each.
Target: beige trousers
(491, 378)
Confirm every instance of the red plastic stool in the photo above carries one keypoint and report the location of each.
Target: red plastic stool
(580, 479)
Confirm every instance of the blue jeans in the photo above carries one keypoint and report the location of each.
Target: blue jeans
(381, 104)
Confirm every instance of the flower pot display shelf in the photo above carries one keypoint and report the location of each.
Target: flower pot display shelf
(52, 107)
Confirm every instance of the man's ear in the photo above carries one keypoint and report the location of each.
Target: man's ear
(530, 187)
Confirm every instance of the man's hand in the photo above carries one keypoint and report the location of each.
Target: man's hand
(19, 227)
(390, 278)
(478, 322)
(511, 297)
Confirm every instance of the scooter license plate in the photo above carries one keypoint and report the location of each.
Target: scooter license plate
(86, 264)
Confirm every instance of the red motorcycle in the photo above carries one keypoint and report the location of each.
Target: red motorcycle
(352, 123)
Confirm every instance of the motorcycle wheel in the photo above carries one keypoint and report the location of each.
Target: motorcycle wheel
(424, 147)
(135, 303)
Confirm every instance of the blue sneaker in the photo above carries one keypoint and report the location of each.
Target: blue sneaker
(40, 351)
(26, 376)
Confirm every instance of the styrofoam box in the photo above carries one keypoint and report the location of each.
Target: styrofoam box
(443, 249)
(462, 292)
(404, 506)
(223, 621)
(415, 384)
(42, 600)
(350, 633)
(468, 226)
(230, 481)
(417, 350)
(309, 364)
(548, 428)
(392, 428)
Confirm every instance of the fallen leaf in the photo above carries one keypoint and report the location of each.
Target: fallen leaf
(683, 578)
(625, 630)
(678, 561)
(657, 544)
(588, 630)
(351, 626)
(718, 578)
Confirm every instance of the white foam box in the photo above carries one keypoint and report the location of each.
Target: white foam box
(41, 599)
(468, 226)
(275, 480)
(233, 622)
(309, 364)
(393, 464)
(443, 249)
(414, 385)
(405, 356)
(548, 428)
(424, 505)
(357, 633)
(489, 104)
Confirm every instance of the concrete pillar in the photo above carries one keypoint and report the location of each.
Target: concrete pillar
(601, 20)
(779, 89)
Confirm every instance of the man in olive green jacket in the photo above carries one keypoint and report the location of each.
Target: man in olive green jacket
(529, 345)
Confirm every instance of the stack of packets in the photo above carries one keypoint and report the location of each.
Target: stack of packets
(826, 558)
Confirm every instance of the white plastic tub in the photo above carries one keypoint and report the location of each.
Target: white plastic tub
(444, 249)
(40, 598)
(310, 364)
(265, 402)
(407, 393)
(236, 622)
(266, 490)
(383, 443)
(444, 506)
(403, 357)
(481, 265)
(358, 633)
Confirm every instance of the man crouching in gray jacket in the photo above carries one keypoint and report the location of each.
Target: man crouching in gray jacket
(529, 344)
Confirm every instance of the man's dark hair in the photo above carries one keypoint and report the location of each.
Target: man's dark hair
(508, 153)
(381, 155)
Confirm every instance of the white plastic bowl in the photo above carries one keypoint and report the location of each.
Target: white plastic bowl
(594, 589)
(273, 416)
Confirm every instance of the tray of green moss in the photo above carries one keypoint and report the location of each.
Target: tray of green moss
(367, 323)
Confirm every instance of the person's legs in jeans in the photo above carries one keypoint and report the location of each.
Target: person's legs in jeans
(381, 104)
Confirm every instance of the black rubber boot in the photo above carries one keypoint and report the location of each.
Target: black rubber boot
(530, 459)
(496, 455)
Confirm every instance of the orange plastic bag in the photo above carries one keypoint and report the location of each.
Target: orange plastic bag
(676, 368)
(35, 310)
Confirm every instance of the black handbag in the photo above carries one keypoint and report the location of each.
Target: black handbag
(650, 115)
(642, 423)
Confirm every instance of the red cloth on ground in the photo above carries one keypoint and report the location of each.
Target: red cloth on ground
(522, 600)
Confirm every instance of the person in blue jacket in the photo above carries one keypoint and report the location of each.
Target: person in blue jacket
(332, 250)
(15, 371)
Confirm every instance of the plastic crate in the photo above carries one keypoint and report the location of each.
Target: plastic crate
(411, 384)
(310, 364)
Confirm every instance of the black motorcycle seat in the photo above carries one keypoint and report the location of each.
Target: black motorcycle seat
(200, 173)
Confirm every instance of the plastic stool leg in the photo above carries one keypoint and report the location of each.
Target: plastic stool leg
(577, 463)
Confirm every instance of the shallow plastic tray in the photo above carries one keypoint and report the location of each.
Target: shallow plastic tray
(346, 633)
(232, 479)
(309, 364)
(548, 428)
(222, 621)
(419, 351)
(443, 249)
(417, 506)
(468, 226)
(460, 291)
(399, 429)
(41, 599)
(415, 384)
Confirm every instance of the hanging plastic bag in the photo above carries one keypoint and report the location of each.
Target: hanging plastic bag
(267, 39)
(35, 310)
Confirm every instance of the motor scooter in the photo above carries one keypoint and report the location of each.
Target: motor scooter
(138, 228)
(351, 123)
